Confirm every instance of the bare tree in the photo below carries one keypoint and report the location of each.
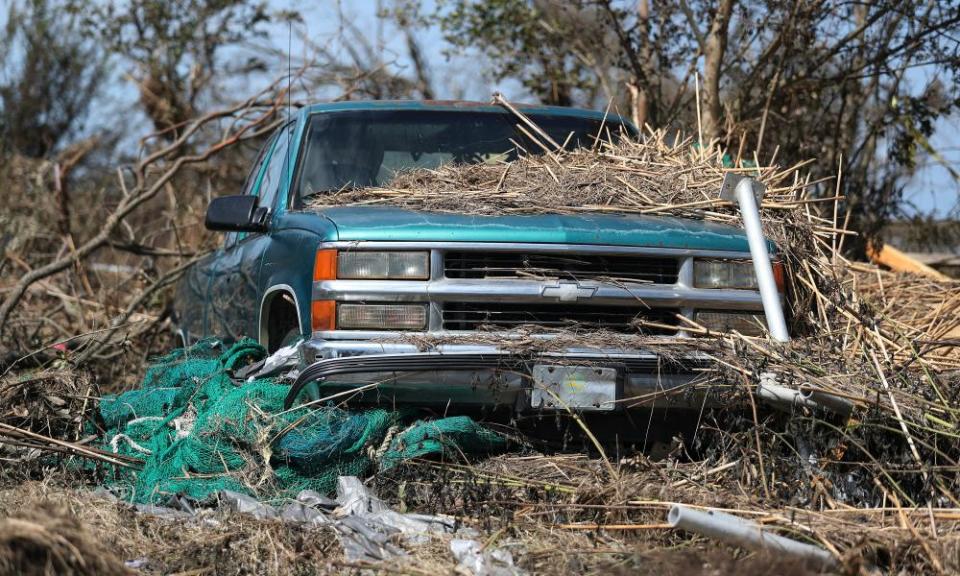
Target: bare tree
(175, 49)
(49, 74)
(714, 49)
(158, 166)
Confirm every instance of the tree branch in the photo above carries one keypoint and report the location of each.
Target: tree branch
(142, 192)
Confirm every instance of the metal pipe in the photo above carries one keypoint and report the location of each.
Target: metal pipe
(761, 260)
(740, 532)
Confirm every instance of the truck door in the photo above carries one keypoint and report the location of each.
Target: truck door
(235, 290)
(223, 267)
(190, 300)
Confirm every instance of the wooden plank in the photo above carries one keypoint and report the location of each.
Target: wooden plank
(899, 262)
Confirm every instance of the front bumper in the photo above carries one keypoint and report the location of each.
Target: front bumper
(488, 376)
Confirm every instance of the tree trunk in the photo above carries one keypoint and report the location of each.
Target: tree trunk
(716, 46)
(639, 98)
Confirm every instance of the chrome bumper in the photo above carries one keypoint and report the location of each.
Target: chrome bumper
(483, 375)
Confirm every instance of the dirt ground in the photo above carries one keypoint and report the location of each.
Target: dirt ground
(74, 531)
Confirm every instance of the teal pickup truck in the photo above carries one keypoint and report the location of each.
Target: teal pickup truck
(362, 288)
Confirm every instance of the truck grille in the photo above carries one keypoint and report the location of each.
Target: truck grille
(531, 265)
(500, 315)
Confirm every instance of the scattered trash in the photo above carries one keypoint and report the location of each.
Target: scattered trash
(368, 529)
(284, 361)
(476, 560)
(786, 398)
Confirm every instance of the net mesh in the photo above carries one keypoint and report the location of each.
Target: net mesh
(199, 432)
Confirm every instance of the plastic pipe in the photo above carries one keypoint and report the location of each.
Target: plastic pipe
(761, 260)
(769, 391)
(737, 531)
(835, 404)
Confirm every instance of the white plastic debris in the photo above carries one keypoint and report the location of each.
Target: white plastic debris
(246, 505)
(184, 424)
(281, 360)
(368, 529)
(474, 559)
(746, 533)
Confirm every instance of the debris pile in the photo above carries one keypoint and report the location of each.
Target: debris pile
(53, 402)
(193, 429)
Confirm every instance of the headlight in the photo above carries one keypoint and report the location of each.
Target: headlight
(383, 265)
(735, 274)
(381, 316)
(746, 323)
(731, 274)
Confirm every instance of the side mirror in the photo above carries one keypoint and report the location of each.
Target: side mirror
(235, 214)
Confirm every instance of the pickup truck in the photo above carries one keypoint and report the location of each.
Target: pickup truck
(361, 287)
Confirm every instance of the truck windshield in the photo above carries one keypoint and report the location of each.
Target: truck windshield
(368, 148)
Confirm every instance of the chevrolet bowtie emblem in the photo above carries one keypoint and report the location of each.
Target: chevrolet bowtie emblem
(568, 291)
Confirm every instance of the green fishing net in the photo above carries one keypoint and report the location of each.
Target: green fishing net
(198, 432)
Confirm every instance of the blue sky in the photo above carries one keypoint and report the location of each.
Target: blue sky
(324, 21)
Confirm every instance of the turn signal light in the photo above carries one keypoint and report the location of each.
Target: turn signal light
(325, 265)
(780, 276)
(323, 315)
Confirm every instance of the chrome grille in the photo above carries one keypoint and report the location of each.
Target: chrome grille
(564, 266)
(501, 315)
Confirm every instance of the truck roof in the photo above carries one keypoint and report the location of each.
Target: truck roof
(472, 106)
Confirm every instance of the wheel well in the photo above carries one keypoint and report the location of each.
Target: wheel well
(279, 316)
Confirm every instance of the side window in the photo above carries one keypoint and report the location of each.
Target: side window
(251, 180)
(275, 172)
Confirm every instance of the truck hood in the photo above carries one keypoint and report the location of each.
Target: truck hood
(359, 223)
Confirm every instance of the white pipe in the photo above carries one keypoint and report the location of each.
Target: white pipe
(740, 532)
(836, 404)
(771, 392)
(761, 261)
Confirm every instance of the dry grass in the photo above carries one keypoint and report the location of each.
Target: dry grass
(44, 540)
(566, 513)
(108, 537)
(106, 533)
(649, 177)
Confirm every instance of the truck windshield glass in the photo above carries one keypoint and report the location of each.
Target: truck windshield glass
(368, 148)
